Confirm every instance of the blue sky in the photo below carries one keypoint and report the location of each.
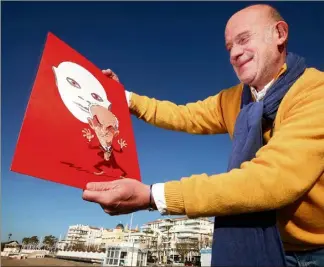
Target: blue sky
(167, 50)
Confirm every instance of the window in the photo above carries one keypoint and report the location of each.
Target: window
(113, 256)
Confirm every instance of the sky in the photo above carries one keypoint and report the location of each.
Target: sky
(168, 50)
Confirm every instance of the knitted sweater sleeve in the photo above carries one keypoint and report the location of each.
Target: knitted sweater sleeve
(282, 171)
(201, 117)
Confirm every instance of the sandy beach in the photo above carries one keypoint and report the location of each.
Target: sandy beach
(5, 261)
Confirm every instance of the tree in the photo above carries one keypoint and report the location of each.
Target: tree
(34, 241)
(102, 250)
(9, 236)
(49, 242)
(26, 240)
(78, 247)
(91, 248)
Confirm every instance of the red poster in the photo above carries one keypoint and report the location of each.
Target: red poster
(77, 126)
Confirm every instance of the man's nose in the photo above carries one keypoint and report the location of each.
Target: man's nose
(236, 52)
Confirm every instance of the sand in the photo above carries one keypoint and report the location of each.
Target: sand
(43, 262)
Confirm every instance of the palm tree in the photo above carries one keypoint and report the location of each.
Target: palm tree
(25, 241)
(49, 241)
(34, 241)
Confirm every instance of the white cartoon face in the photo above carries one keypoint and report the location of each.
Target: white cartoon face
(79, 89)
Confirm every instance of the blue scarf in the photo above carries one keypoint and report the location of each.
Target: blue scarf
(253, 239)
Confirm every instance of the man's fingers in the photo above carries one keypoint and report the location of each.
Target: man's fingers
(102, 197)
(114, 211)
(99, 186)
(109, 73)
(109, 211)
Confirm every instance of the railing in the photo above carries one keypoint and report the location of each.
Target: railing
(29, 251)
(191, 222)
(82, 256)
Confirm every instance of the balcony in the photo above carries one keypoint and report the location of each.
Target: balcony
(145, 227)
(191, 222)
(187, 235)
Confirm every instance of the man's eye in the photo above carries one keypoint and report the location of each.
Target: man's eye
(73, 82)
(244, 40)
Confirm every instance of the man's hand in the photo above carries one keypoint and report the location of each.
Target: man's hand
(118, 197)
(87, 134)
(122, 143)
(110, 74)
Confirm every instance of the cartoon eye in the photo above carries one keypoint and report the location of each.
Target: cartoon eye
(96, 97)
(73, 82)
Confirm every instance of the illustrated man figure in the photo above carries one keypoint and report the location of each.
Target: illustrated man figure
(105, 125)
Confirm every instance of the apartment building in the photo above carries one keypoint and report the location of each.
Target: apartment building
(179, 237)
(166, 239)
(99, 237)
(83, 234)
(113, 236)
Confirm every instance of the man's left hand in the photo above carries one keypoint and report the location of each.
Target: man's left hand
(119, 196)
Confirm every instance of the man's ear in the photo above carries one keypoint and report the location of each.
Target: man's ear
(282, 32)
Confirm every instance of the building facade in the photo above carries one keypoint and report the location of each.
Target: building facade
(125, 254)
(168, 239)
(179, 239)
(83, 235)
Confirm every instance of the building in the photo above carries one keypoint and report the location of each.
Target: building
(176, 239)
(121, 234)
(83, 235)
(113, 236)
(61, 245)
(179, 238)
(205, 257)
(11, 247)
(125, 254)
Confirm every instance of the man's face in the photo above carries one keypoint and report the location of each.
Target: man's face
(104, 123)
(249, 40)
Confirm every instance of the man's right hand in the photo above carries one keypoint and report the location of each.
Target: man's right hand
(112, 75)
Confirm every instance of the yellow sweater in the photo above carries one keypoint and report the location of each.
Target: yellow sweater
(287, 173)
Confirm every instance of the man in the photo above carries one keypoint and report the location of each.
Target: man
(285, 174)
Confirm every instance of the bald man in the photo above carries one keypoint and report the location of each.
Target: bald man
(275, 119)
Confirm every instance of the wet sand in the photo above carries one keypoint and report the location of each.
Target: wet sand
(5, 261)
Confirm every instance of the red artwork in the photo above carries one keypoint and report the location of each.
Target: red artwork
(77, 126)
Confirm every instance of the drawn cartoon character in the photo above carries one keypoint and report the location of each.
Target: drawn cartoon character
(105, 125)
(86, 99)
(79, 89)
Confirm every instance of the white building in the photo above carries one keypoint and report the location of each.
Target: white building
(179, 237)
(61, 245)
(84, 234)
(125, 254)
(176, 239)
(99, 238)
(205, 257)
(10, 247)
